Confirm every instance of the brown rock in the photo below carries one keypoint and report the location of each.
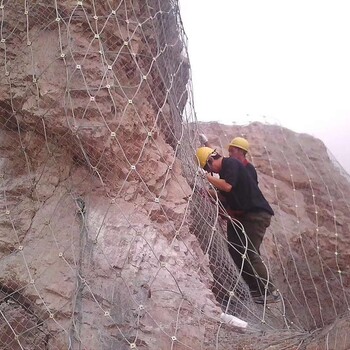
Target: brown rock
(106, 241)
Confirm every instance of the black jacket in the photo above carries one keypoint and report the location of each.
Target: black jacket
(245, 194)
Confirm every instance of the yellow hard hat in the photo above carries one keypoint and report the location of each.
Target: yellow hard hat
(203, 154)
(240, 142)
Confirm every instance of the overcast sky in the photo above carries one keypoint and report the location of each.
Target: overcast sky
(286, 60)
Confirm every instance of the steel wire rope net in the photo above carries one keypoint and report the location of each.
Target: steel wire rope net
(108, 239)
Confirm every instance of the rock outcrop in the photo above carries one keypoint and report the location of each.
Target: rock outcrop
(106, 238)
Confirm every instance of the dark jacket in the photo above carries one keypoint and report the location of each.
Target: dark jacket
(251, 170)
(245, 194)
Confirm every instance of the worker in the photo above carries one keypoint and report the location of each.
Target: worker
(237, 148)
(243, 197)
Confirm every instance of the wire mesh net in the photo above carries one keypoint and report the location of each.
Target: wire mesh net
(108, 238)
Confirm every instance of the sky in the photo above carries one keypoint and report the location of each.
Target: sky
(286, 62)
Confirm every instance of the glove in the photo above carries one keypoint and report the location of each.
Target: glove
(201, 173)
(203, 139)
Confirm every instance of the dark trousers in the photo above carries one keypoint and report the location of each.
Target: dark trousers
(253, 269)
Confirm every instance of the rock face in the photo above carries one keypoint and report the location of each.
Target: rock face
(106, 238)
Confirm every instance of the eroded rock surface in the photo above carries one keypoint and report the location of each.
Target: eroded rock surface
(106, 241)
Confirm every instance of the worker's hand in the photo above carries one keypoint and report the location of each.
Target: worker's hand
(209, 176)
(201, 173)
(203, 139)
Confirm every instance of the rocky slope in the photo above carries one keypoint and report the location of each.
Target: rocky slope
(106, 241)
